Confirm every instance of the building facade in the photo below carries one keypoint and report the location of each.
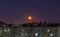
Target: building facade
(29, 31)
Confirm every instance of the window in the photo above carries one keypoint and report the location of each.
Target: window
(51, 34)
(26, 34)
(36, 34)
(48, 30)
(7, 30)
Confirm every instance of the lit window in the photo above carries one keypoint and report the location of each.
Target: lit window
(36, 34)
(5, 30)
(45, 35)
(26, 34)
(51, 34)
(9, 30)
(48, 30)
(22, 30)
(22, 34)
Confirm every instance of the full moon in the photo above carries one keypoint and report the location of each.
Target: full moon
(29, 17)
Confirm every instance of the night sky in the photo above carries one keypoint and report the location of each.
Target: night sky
(17, 11)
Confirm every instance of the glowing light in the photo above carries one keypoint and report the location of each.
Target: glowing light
(22, 30)
(36, 34)
(8, 30)
(5, 30)
(26, 34)
(22, 34)
(51, 34)
(29, 17)
(48, 30)
(45, 35)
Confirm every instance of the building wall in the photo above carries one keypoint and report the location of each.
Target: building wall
(58, 31)
(8, 32)
(22, 32)
(42, 31)
(29, 31)
(1, 32)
